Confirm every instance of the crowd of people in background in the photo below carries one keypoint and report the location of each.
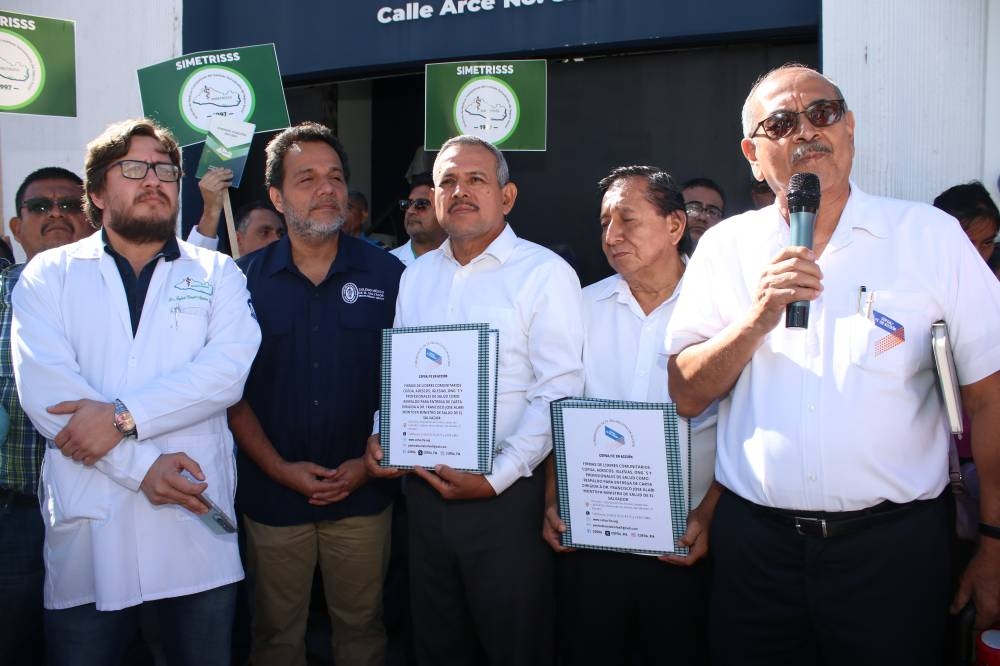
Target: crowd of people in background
(153, 388)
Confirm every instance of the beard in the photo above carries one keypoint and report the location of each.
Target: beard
(311, 230)
(141, 229)
(144, 229)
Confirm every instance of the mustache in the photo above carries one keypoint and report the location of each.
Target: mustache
(808, 148)
(462, 203)
(331, 204)
(152, 194)
(56, 225)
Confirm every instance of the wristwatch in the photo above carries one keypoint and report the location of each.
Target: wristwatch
(124, 423)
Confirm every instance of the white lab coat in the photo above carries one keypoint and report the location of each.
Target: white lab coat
(71, 339)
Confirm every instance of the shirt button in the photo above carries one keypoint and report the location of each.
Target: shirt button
(812, 477)
(316, 328)
(812, 408)
(132, 363)
(315, 403)
(315, 364)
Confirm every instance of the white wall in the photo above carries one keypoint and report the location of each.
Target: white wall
(991, 135)
(915, 74)
(114, 38)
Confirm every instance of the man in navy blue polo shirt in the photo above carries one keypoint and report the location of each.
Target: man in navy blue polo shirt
(321, 298)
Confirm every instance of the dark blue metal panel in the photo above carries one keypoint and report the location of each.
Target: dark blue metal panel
(319, 37)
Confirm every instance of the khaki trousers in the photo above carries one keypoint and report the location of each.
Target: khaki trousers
(353, 554)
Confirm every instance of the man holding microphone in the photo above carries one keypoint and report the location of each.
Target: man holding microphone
(831, 540)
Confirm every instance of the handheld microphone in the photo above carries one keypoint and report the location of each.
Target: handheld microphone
(803, 202)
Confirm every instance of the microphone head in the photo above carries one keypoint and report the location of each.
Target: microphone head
(803, 191)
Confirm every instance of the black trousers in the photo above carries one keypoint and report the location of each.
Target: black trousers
(877, 596)
(620, 609)
(480, 577)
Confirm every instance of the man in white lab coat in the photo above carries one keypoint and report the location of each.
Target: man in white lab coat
(128, 347)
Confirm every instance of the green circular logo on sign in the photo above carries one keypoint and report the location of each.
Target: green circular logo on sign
(488, 108)
(22, 72)
(214, 91)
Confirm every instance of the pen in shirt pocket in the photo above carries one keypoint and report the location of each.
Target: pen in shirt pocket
(865, 300)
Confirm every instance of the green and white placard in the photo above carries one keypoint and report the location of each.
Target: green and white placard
(187, 92)
(623, 475)
(227, 146)
(438, 396)
(37, 65)
(503, 102)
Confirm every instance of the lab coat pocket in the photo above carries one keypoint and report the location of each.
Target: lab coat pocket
(189, 316)
(894, 337)
(73, 491)
(188, 324)
(213, 451)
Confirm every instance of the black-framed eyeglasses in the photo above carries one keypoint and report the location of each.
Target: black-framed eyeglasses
(137, 170)
(698, 209)
(418, 204)
(780, 124)
(42, 205)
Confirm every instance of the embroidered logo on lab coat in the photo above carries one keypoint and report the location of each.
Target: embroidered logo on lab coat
(192, 284)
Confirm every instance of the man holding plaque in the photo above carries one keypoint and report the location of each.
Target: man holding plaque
(831, 541)
(658, 608)
(321, 298)
(481, 577)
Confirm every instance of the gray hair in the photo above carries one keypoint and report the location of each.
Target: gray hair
(503, 171)
(747, 116)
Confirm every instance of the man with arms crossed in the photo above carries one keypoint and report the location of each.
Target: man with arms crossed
(481, 576)
(128, 347)
(831, 543)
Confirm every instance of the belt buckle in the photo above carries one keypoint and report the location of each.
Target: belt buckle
(804, 522)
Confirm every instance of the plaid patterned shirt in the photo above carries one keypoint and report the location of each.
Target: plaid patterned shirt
(21, 454)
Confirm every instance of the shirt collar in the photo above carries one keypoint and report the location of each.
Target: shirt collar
(500, 249)
(349, 256)
(859, 213)
(169, 251)
(619, 289)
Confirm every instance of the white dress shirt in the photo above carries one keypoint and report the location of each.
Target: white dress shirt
(845, 414)
(105, 543)
(404, 253)
(624, 359)
(195, 237)
(532, 297)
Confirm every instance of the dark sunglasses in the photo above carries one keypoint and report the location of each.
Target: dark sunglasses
(42, 205)
(137, 170)
(780, 124)
(418, 204)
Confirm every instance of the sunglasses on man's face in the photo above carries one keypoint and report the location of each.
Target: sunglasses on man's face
(821, 114)
(418, 204)
(42, 205)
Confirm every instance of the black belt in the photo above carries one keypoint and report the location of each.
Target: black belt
(830, 524)
(14, 498)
